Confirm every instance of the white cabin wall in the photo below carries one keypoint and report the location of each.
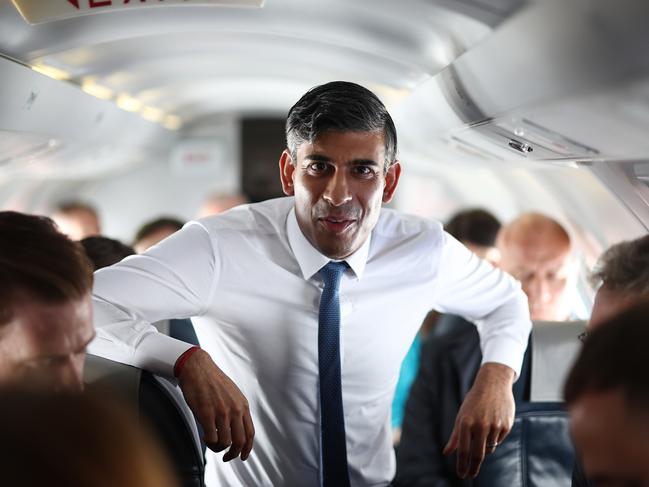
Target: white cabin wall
(574, 197)
(149, 186)
(165, 188)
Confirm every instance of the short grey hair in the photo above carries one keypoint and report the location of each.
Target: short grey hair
(624, 267)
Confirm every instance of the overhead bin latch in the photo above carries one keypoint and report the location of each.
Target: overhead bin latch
(523, 147)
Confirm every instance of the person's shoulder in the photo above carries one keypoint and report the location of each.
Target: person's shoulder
(393, 224)
(266, 217)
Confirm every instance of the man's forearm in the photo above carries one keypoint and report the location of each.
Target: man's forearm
(494, 375)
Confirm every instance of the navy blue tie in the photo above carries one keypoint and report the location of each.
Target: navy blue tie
(332, 420)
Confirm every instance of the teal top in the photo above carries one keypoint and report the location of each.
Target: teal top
(407, 375)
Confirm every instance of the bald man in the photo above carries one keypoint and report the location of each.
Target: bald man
(534, 249)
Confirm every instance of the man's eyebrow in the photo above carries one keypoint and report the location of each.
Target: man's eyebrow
(354, 162)
(364, 162)
(317, 157)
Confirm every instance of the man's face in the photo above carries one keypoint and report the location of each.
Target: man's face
(77, 224)
(339, 184)
(45, 344)
(612, 440)
(609, 303)
(542, 266)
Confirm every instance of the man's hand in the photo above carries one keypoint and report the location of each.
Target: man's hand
(484, 419)
(219, 405)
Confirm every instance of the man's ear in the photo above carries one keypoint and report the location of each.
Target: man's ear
(287, 173)
(391, 181)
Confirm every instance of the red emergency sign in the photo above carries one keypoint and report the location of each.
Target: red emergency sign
(38, 11)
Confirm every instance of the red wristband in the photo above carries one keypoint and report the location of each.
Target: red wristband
(180, 363)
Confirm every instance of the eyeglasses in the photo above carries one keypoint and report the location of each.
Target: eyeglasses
(582, 336)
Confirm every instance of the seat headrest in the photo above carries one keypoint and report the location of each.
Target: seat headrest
(554, 349)
(101, 373)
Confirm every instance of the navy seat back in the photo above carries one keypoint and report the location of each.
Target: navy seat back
(538, 451)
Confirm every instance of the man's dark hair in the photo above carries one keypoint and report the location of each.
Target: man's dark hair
(154, 226)
(37, 261)
(339, 106)
(614, 357)
(475, 226)
(625, 267)
(104, 251)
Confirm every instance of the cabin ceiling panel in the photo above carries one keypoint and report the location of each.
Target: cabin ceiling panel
(405, 26)
(575, 90)
(242, 50)
(392, 45)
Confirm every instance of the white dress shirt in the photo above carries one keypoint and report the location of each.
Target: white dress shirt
(248, 279)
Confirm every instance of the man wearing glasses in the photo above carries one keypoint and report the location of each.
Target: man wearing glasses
(623, 275)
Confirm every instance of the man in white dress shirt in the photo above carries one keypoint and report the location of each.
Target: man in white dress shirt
(249, 278)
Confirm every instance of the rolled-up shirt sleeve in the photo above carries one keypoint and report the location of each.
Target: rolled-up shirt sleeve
(174, 279)
(471, 287)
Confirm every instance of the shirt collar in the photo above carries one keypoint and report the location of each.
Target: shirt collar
(310, 260)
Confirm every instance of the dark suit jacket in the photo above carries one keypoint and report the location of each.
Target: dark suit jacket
(183, 329)
(537, 451)
(443, 380)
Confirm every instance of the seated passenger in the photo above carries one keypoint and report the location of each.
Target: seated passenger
(75, 440)
(477, 230)
(45, 305)
(607, 393)
(623, 275)
(216, 203)
(155, 231)
(536, 250)
(77, 220)
(104, 251)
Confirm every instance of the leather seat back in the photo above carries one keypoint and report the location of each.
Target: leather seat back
(161, 405)
(537, 453)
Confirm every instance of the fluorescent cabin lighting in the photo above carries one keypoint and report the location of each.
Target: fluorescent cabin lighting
(97, 90)
(172, 122)
(128, 103)
(153, 114)
(51, 71)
